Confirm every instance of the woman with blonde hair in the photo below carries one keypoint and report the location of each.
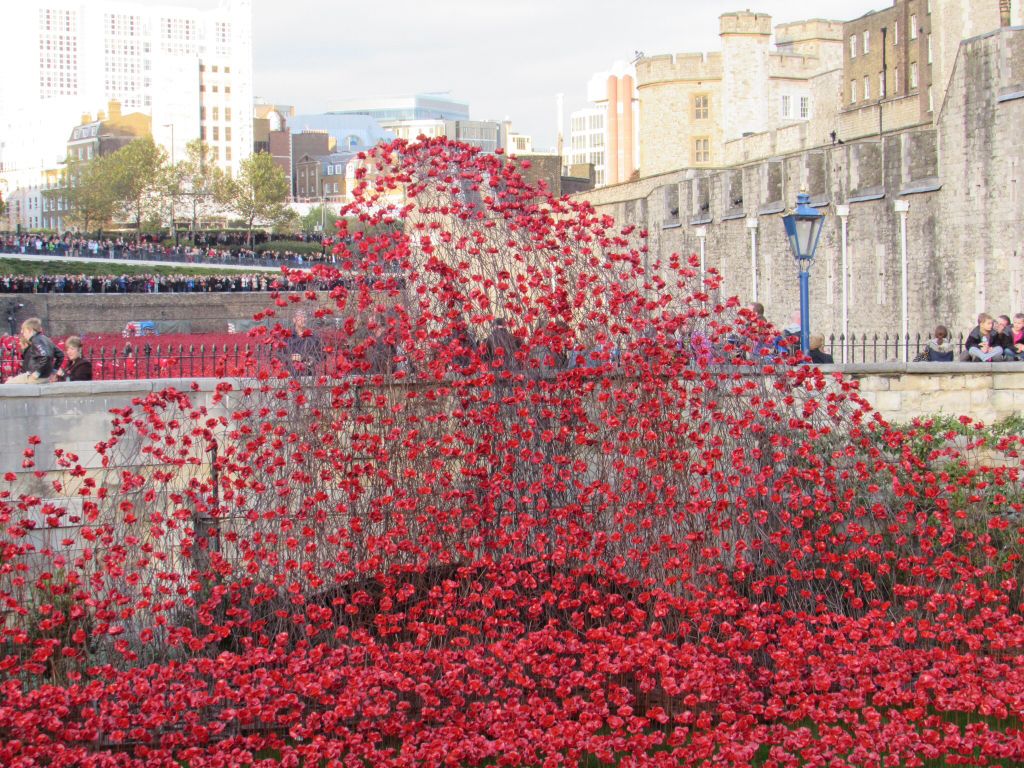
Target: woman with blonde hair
(78, 368)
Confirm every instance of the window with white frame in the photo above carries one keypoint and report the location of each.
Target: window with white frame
(867, 87)
(913, 75)
(896, 33)
(787, 106)
(929, 48)
(853, 46)
(867, 41)
(805, 107)
(853, 91)
(881, 85)
(913, 26)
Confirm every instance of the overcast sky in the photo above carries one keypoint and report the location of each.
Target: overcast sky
(506, 59)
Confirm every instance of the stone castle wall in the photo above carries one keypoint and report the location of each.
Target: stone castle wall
(965, 227)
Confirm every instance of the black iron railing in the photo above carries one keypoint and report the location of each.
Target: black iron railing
(163, 361)
(882, 348)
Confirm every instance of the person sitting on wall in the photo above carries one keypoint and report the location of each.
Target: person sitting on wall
(938, 349)
(1015, 336)
(40, 357)
(817, 350)
(981, 343)
(78, 368)
(1002, 327)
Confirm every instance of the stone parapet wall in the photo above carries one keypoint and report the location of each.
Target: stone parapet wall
(75, 417)
(901, 392)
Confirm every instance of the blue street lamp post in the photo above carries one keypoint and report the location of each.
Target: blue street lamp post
(803, 228)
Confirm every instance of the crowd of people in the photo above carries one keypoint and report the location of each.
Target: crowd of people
(145, 283)
(183, 283)
(992, 340)
(225, 248)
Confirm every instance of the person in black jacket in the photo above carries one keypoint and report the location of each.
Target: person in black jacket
(981, 341)
(818, 354)
(40, 357)
(78, 368)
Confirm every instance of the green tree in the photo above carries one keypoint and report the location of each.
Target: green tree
(192, 183)
(320, 216)
(259, 194)
(87, 193)
(135, 174)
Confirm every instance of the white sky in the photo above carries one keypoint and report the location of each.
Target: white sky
(506, 59)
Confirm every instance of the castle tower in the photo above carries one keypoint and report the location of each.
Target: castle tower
(745, 39)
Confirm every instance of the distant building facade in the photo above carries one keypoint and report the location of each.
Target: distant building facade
(107, 133)
(272, 133)
(188, 68)
(423, 106)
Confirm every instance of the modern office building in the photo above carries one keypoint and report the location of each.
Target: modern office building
(423, 106)
(188, 67)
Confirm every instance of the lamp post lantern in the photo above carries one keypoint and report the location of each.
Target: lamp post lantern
(803, 228)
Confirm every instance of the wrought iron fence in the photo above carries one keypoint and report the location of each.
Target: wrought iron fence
(149, 361)
(882, 348)
(153, 361)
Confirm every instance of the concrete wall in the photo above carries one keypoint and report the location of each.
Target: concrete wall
(65, 314)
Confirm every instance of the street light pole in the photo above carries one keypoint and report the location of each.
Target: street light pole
(803, 229)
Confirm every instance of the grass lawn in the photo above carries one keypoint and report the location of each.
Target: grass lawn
(76, 266)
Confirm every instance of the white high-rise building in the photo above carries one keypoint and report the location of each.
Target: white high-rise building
(189, 67)
(606, 133)
(587, 140)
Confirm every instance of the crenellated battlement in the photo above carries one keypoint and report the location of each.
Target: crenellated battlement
(745, 23)
(793, 65)
(807, 31)
(681, 66)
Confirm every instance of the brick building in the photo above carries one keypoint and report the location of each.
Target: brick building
(272, 134)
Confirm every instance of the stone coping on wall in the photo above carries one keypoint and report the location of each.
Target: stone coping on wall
(76, 416)
(126, 386)
(895, 368)
(79, 388)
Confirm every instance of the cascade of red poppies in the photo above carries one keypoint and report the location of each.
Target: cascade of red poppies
(538, 498)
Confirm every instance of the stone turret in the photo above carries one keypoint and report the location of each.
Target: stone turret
(745, 40)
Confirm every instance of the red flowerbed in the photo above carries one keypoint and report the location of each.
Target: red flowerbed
(555, 503)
